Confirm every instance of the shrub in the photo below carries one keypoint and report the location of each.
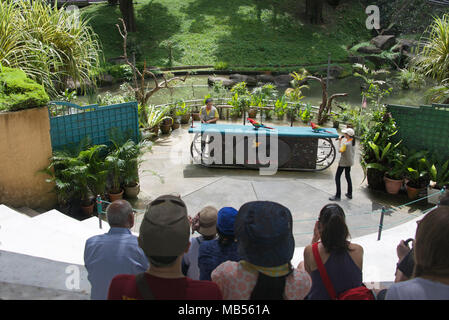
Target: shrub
(17, 91)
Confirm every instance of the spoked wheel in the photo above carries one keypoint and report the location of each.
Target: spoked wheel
(325, 154)
(199, 150)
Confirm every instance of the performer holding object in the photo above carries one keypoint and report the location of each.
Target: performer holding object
(346, 149)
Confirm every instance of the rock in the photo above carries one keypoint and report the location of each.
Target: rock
(106, 79)
(384, 42)
(408, 55)
(356, 59)
(228, 83)
(283, 80)
(72, 85)
(334, 71)
(369, 50)
(377, 60)
(249, 80)
(405, 45)
(265, 78)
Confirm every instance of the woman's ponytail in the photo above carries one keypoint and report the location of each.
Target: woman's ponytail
(334, 232)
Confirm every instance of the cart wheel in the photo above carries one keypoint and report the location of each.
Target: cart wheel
(325, 154)
(199, 150)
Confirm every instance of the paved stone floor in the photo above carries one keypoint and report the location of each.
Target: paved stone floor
(168, 169)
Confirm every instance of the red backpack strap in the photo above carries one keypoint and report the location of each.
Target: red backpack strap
(323, 273)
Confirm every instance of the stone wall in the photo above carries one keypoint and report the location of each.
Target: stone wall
(25, 148)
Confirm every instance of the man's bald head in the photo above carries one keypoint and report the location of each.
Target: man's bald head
(120, 214)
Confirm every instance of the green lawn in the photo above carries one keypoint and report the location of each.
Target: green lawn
(204, 32)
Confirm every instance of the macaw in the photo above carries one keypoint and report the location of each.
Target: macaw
(317, 129)
(257, 125)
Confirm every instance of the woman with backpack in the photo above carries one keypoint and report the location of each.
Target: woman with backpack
(340, 260)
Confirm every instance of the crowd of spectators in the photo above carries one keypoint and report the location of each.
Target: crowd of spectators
(246, 254)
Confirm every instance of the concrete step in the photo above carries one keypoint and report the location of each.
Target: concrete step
(14, 291)
(93, 223)
(29, 212)
(7, 213)
(51, 235)
(28, 277)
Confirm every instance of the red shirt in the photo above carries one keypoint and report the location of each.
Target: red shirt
(123, 287)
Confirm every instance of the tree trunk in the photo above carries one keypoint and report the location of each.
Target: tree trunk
(314, 10)
(127, 10)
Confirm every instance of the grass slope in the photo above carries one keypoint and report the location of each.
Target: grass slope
(205, 32)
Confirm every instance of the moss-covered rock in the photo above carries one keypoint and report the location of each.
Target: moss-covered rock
(17, 91)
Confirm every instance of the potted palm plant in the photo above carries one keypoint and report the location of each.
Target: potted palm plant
(116, 166)
(98, 169)
(132, 153)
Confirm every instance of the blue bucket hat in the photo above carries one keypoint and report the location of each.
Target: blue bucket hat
(225, 220)
(264, 232)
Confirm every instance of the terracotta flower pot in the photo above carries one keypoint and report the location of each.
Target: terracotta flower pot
(175, 125)
(185, 118)
(115, 196)
(196, 116)
(165, 129)
(88, 210)
(375, 179)
(412, 193)
(393, 186)
(155, 130)
(132, 192)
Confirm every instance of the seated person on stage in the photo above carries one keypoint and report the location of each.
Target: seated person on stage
(208, 113)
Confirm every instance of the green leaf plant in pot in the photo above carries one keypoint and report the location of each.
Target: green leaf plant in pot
(394, 176)
(376, 145)
(166, 124)
(155, 116)
(280, 108)
(182, 111)
(241, 100)
(335, 120)
(439, 179)
(418, 176)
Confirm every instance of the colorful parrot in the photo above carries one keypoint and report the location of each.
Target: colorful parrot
(257, 125)
(317, 129)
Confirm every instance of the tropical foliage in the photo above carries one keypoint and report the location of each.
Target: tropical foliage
(433, 59)
(47, 43)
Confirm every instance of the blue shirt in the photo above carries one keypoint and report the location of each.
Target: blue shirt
(418, 289)
(110, 254)
(212, 254)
